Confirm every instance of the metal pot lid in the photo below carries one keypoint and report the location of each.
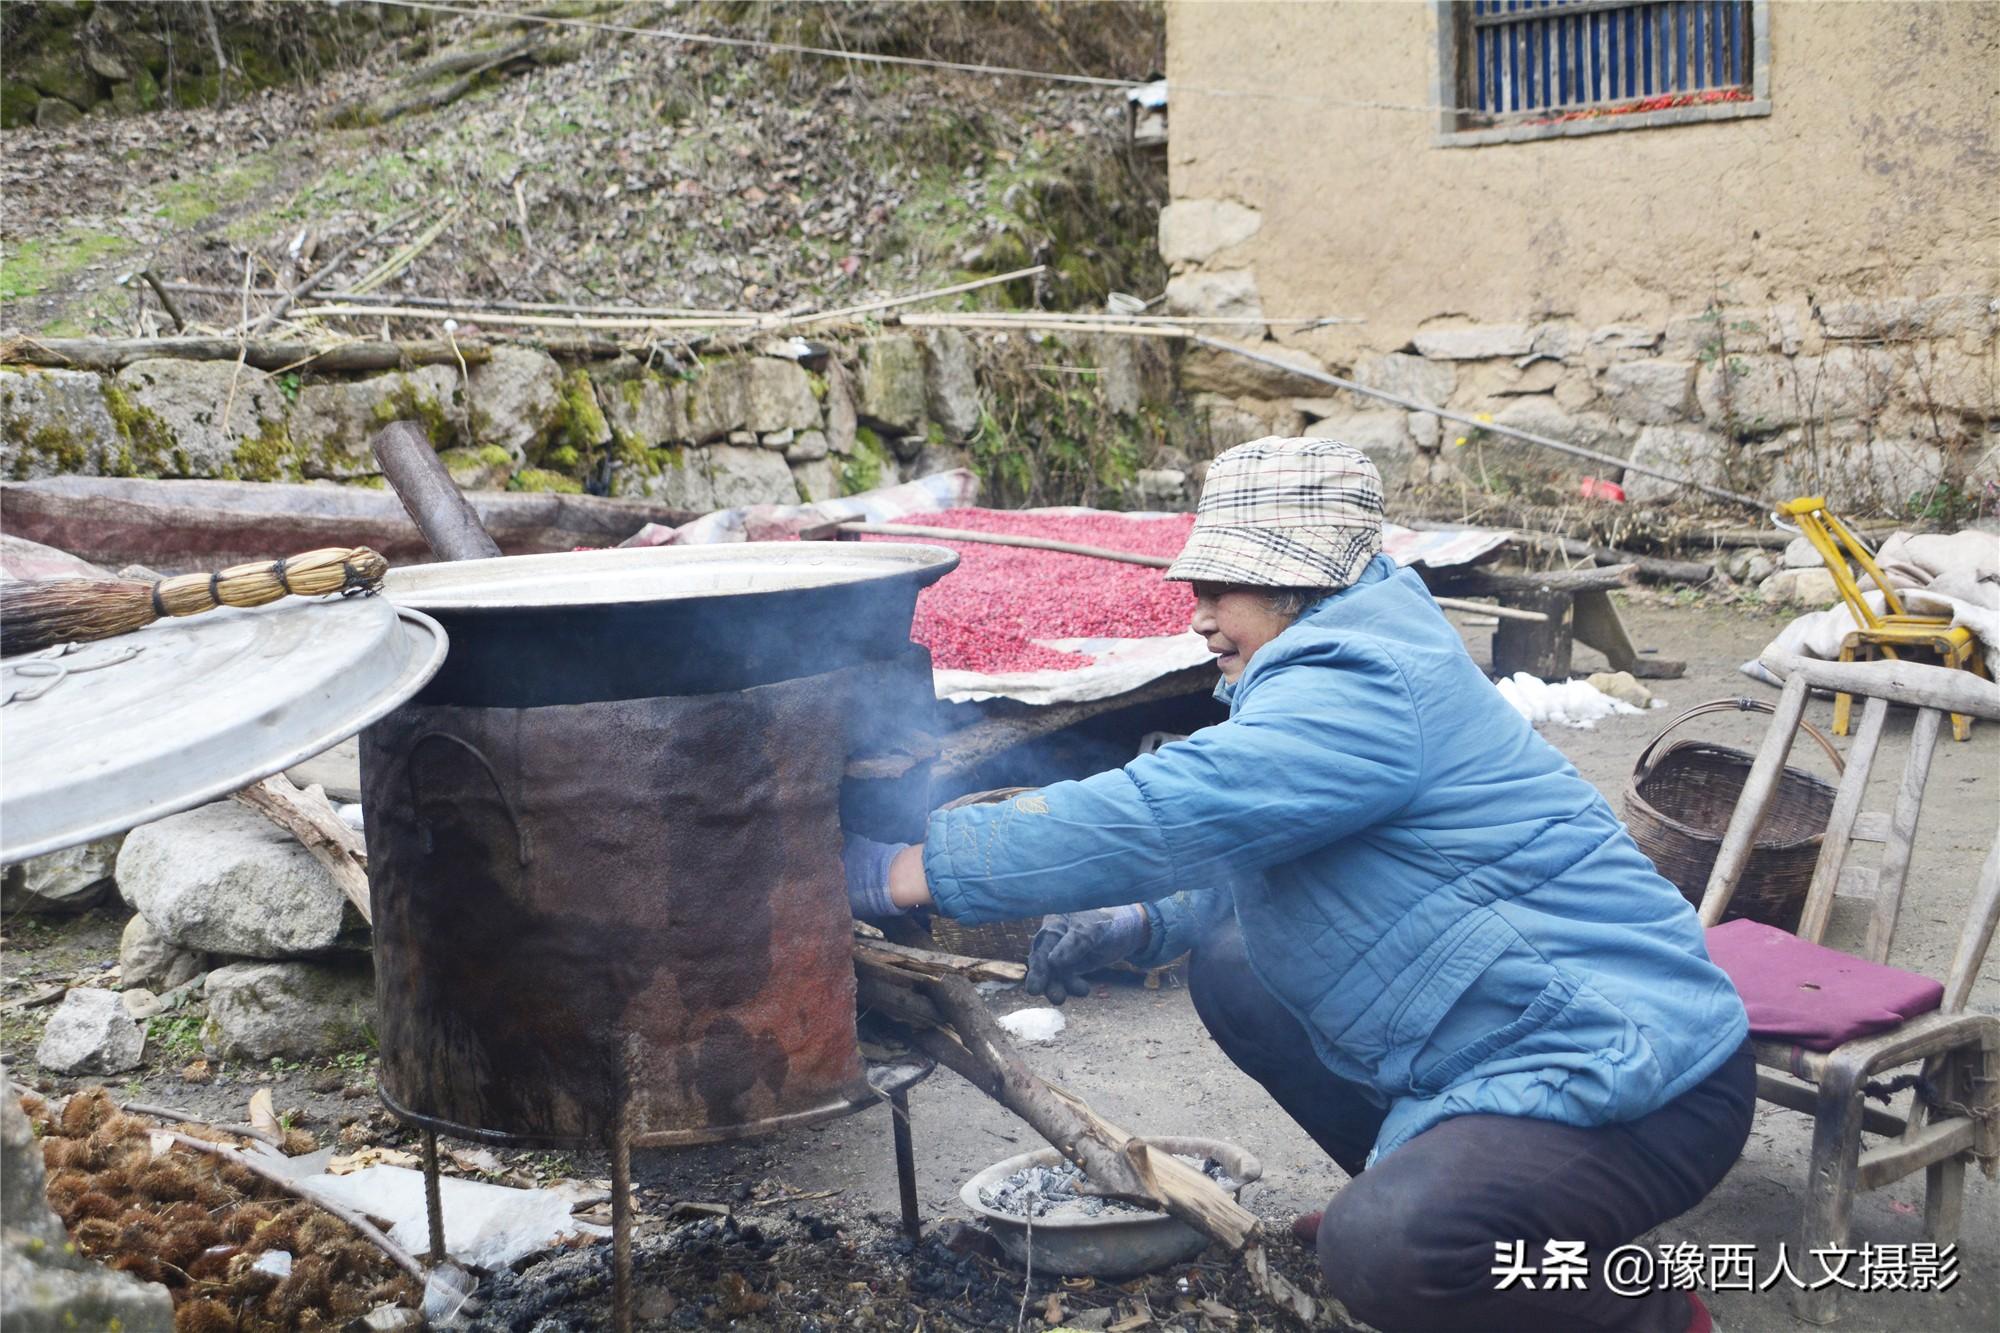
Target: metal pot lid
(99, 738)
(658, 573)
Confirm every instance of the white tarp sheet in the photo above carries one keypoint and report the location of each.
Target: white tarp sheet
(1934, 574)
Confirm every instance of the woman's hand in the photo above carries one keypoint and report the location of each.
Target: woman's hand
(1071, 944)
(907, 886)
(883, 878)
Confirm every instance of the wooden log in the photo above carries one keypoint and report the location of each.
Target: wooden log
(1541, 649)
(111, 354)
(1652, 569)
(971, 1042)
(934, 962)
(428, 493)
(308, 816)
(180, 525)
(1479, 582)
(1777, 539)
(1112, 1158)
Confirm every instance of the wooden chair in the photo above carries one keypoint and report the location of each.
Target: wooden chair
(1794, 986)
(1889, 635)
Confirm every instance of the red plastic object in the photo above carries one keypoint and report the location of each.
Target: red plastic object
(1595, 488)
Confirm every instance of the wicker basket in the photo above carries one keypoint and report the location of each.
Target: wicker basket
(1008, 941)
(1678, 808)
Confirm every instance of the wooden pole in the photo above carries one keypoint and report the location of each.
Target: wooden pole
(118, 353)
(1758, 788)
(890, 302)
(427, 491)
(1915, 684)
(1107, 553)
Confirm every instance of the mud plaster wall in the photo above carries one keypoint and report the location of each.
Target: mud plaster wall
(1867, 192)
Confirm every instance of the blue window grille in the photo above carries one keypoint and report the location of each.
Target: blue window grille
(1539, 60)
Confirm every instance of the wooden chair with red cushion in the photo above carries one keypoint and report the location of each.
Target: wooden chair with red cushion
(1824, 1023)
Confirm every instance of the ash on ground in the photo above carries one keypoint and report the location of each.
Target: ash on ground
(802, 1272)
(1057, 1192)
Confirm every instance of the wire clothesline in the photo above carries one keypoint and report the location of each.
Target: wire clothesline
(959, 66)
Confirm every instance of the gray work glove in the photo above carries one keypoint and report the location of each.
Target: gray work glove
(1073, 943)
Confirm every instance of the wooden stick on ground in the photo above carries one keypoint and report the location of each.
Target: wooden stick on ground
(152, 280)
(308, 816)
(189, 1118)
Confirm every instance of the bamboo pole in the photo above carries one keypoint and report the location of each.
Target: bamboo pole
(477, 303)
(708, 322)
(439, 316)
(888, 302)
(1190, 321)
(1181, 330)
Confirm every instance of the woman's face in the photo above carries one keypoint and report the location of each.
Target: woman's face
(1236, 621)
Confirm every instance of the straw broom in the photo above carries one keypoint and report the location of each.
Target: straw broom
(40, 613)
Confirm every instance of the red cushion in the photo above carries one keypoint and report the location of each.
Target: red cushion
(1813, 996)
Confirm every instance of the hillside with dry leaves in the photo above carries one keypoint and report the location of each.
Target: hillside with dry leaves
(578, 154)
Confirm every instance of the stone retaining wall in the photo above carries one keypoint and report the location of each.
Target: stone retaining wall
(1883, 406)
(742, 429)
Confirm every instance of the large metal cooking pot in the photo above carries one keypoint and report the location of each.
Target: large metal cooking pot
(623, 915)
(592, 626)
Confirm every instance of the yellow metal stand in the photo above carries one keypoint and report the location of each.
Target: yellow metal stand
(1889, 635)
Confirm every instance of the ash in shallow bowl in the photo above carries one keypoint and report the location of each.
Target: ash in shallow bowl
(1032, 1204)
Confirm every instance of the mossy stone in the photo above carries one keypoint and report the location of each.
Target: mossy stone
(146, 443)
(269, 456)
(541, 479)
(17, 105)
(862, 470)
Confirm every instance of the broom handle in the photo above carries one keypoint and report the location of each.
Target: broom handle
(240, 585)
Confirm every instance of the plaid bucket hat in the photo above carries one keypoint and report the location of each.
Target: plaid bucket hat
(1285, 513)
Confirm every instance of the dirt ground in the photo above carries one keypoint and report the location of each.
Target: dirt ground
(1170, 1080)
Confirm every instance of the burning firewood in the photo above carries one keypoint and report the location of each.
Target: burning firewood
(933, 998)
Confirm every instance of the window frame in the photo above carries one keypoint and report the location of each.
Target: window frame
(1445, 93)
